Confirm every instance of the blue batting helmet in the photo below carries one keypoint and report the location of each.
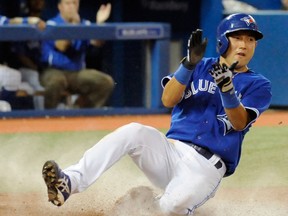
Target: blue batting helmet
(233, 23)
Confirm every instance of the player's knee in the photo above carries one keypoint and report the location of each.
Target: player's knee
(134, 128)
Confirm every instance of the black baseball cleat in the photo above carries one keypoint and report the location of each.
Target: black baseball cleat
(57, 182)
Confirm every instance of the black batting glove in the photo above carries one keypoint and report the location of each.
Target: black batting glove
(195, 50)
(223, 76)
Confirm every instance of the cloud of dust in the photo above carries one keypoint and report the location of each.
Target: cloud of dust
(137, 201)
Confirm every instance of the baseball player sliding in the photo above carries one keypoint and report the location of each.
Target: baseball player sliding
(214, 100)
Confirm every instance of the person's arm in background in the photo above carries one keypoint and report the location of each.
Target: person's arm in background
(27, 62)
(39, 23)
(101, 16)
(30, 20)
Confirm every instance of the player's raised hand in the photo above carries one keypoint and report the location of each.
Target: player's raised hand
(223, 76)
(195, 50)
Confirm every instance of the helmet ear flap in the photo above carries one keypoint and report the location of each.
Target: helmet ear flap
(222, 44)
(219, 46)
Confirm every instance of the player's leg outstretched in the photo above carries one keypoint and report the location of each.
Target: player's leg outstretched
(57, 182)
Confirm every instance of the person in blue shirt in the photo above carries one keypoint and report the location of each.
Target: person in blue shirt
(64, 61)
(215, 101)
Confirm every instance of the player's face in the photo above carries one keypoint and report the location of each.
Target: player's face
(241, 48)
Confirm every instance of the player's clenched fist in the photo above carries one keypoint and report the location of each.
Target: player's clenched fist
(195, 50)
(223, 76)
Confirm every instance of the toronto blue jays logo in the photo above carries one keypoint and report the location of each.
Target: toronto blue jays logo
(226, 123)
(248, 20)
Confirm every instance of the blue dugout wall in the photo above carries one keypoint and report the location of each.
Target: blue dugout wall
(269, 59)
(138, 86)
(158, 35)
(272, 53)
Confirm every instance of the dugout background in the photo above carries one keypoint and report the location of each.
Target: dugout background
(127, 61)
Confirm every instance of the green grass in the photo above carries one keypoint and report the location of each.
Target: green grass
(264, 159)
(263, 163)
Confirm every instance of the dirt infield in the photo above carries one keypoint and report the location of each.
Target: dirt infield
(110, 197)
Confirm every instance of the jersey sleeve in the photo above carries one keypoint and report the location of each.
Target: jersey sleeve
(258, 99)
